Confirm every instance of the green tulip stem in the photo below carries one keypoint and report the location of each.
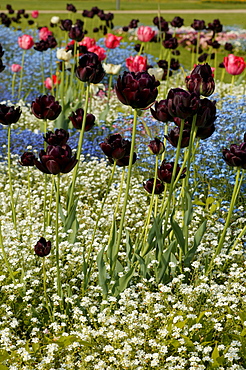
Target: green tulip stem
(13, 85)
(21, 73)
(42, 71)
(100, 212)
(50, 201)
(235, 192)
(232, 83)
(109, 87)
(62, 84)
(134, 129)
(190, 149)
(215, 64)
(141, 48)
(171, 189)
(222, 78)
(151, 199)
(168, 70)
(237, 240)
(45, 290)
(59, 290)
(74, 62)
(10, 179)
(29, 195)
(80, 143)
(11, 273)
(45, 178)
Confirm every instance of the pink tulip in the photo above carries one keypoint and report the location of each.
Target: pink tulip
(44, 32)
(136, 64)
(16, 68)
(35, 13)
(112, 41)
(145, 33)
(25, 42)
(101, 53)
(234, 65)
(88, 42)
(51, 81)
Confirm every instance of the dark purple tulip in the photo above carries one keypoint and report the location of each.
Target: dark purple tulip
(215, 26)
(56, 160)
(45, 107)
(213, 43)
(27, 159)
(26, 16)
(42, 248)
(41, 46)
(30, 22)
(228, 46)
(79, 23)
(59, 137)
(171, 43)
(156, 146)
(71, 8)
(125, 29)
(166, 170)
(8, 6)
(181, 103)
(175, 52)
(202, 58)
(173, 137)
(11, 11)
(66, 24)
(51, 41)
(137, 48)
(162, 64)
(100, 14)
(76, 33)
(236, 155)
(158, 20)
(205, 132)
(148, 186)
(134, 23)
(163, 26)
(198, 25)
(2, 67)
(174, 64)
(1, 51)
(95, 10)
(177, 22)
(90, 69)
(9, 115)
(117, 149)
(206, 114)
(77, 118)
(109, 16)
(161, 111)
(21, 11)
(96, 29)
(139, 90)
(201, 80)
(221, 65)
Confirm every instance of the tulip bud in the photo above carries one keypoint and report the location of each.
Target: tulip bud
(9, 115)
(156, 147)
(77, 119)
(148, 186)
(234, 65)
(42, 248)
(173, 137)
(27, 159)
(166, 170)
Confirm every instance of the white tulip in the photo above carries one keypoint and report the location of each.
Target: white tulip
(55, 20)
(64, 55)
(157, 72)
(112, 69)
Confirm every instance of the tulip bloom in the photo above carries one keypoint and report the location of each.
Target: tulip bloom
(136, 64)
(55, 20)
(35, 13)
(112, 41)
(145, 33)
(236, 155)
(16, 68)
(51, 82)
(100, 52)
(201, 80)
(88, 42)
(56, 160)
(9, 115)
(166, 170)
(25, 42)
(44, 32)
(117, 149)
(77, 119)
(90, 69)
(148, 186)
(111, 69)
(234, 65)
(42, 248)
(59, 137)
(27, 159)
(182, 104)
(45, 107)
(63, 54)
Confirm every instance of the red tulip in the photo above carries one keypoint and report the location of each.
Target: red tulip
(112, 41)
(234, 65)
(35, 13)
(100, 52)
(88, 42)
(16, 68)
(25, 42)
(145, 33)
(136, 64)
(44, 32)
(51, 81)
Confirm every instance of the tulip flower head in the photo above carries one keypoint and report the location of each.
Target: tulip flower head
(236, 155)
(45, 107)
(64, 55)
(136, 64)
(156, 146)
(112, 69)
(16, 68)
(139, 90)
(112, 41)
(42, 248)
(234, 65)
(43, 33)
(88, 42)
(100, 52)
(181, 103)
(148, 186)
(25, 42)
(117, 149)
(145, 33)
(59, 137)
(55, 20)
(161, 111)
(56, 159)
(90, 69)
(157, 72)
(201, 80)
(173, 137)
(51, 82)
(27, 159)
(77, 119)
(166, 170)
(35, 14)
(9, 115)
